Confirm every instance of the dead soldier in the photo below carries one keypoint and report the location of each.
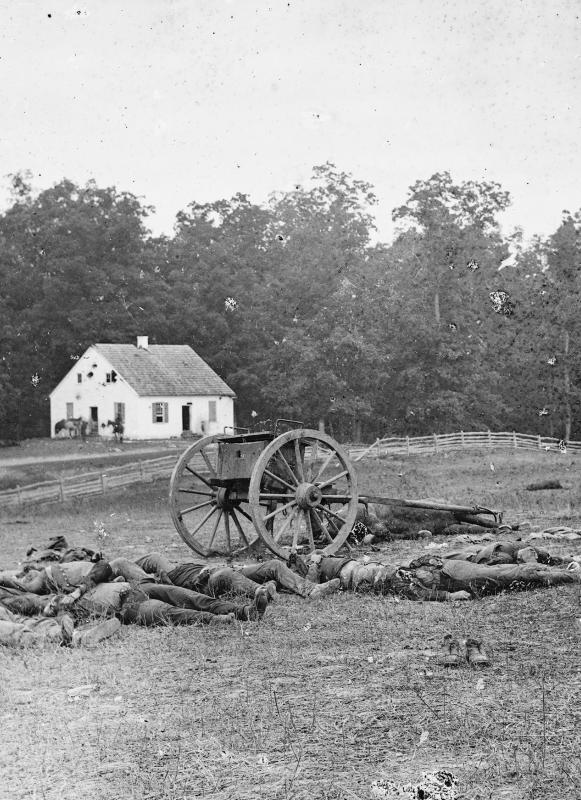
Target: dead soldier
(435, 578)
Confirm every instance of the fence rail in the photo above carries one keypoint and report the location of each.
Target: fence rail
(97, 483)
(436, 443)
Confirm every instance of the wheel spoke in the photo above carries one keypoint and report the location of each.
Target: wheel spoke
(239, 526)
(195, 508)
(299, 460)
(309, 527)
(244, 514)
(198, 476)
(287, 465)
(322, 525)
(278, 511)
(274, 496)
(333, 479)
(312, 462)
(279, 479)
(203, 522)
(332, 513)
(195, 491)
(338, 498)
(285, 525)
(227, 528)
(208, 464)
(295, 541)
(324, 467)
(215, 531)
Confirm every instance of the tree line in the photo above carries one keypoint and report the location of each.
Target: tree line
(452, 325)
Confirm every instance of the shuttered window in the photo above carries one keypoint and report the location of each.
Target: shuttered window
(70, 411)
(212, 411)
(159, 412)
(119, 411)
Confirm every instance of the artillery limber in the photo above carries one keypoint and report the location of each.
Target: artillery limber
(291, 491)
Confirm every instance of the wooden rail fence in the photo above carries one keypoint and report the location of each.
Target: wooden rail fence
(92, 483)
(440, 443)
(97, 483)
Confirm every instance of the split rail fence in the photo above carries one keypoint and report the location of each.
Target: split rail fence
(442, 443)
(98, 483)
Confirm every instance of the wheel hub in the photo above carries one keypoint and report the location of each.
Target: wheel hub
(222, 499)
(308, 496)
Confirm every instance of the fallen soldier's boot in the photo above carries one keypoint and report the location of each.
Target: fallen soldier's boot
(271, 592)
(88, 637)
(450, 656)
(256, 610)
(323, 589)
(67, 624)
(312, 573)
(222, 619)
(476, 654)
(261, 599)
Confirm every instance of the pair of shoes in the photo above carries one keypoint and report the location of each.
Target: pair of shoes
(323, 589)
(451, 656)
(90, 636)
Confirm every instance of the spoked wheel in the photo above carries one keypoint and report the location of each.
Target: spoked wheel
(211, 519)
(303, 493)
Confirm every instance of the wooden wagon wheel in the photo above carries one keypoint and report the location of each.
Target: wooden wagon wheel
(303, 493)
(211, 519)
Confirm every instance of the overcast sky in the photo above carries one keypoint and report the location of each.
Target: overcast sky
(182, 100)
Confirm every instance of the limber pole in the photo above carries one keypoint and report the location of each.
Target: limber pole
(426, 504)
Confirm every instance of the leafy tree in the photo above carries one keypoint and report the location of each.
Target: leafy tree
(71, 258)
(443, 267)
(320, 352)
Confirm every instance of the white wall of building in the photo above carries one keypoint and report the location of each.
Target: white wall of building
(199, 413)
(94, 390)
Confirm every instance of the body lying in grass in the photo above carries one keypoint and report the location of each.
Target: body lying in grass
(120, 588)
(468, 573)
(19, 630)
(217, 580)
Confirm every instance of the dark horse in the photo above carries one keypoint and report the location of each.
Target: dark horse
(118, 428)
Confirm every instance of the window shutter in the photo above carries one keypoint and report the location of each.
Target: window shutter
(165, 412)
(154, 412)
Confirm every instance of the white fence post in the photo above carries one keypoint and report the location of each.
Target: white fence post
(407, 441)
(462, 438)
(435, 443)
(514, 442)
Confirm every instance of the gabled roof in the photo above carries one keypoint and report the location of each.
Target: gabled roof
(164, 369)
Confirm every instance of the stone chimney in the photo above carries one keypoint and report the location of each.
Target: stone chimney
(143, 342)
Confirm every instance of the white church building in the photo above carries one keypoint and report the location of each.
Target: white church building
(159, 391)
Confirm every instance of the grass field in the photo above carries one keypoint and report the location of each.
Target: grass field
(319, 699)
(51, 459)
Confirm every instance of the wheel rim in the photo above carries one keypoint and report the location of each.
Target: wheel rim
(303, 493)
(211, 519)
